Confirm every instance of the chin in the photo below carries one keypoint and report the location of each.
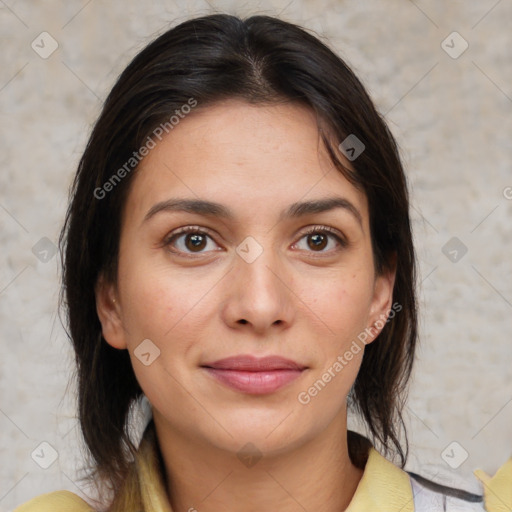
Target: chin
(271, 432)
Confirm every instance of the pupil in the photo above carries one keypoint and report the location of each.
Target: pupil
(318, 241)
(196, 241)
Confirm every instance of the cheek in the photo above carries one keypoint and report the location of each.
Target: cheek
(169, 312)
(158, 304)
(342, 301)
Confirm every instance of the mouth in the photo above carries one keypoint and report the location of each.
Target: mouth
(252, 375)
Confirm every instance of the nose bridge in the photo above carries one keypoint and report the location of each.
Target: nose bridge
(257, 265)
(259, 295)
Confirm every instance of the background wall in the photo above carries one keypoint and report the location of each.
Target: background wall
(450, 108)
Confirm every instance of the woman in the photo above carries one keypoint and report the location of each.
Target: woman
(238, 252)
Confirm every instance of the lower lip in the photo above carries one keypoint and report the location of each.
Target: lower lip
(255, 383)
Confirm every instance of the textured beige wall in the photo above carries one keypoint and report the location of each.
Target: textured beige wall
(452, 117)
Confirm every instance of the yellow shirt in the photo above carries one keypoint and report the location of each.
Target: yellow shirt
(383, 488)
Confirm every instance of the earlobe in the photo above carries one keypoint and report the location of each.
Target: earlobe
(381, 302)
(109, 314)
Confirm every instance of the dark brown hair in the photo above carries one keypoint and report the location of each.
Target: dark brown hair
(260, 60)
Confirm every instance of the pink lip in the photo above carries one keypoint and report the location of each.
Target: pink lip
(253, 375)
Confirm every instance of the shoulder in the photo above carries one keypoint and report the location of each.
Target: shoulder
(58, 501)
(430, 496)
(392, 488)
(495, 495)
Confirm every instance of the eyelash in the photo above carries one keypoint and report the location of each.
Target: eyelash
(324, 230)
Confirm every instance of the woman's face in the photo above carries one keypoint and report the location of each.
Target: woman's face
(271, 269)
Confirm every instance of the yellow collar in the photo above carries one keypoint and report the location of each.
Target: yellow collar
(498, 489)
(383, 486)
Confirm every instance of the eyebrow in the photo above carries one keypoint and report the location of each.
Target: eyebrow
(212, 209)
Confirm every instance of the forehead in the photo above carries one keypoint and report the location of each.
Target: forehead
(243, 155)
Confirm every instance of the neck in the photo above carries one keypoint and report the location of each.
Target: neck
(317, 475)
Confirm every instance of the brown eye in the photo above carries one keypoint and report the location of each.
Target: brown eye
(195, 242)
(191, 240)
(317, 241)
(321, 239)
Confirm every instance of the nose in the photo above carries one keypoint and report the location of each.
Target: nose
(259, 295)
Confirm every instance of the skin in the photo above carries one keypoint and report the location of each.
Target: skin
(295, 300)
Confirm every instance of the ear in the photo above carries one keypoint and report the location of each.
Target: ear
(109, 313)
(381, 301)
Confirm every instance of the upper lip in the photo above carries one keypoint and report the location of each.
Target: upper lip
(254, 364)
